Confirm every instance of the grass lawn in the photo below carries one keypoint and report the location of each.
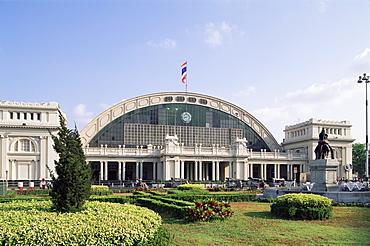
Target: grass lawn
(252, 224)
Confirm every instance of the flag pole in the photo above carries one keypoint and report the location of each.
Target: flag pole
(186, 80)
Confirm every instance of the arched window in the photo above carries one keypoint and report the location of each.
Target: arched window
(24, 145)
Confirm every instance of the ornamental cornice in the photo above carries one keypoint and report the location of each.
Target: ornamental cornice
(8, 104)
(29, 126)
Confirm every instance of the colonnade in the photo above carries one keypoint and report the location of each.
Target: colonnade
(197, 170)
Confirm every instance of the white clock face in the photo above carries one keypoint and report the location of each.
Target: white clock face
(186, 117)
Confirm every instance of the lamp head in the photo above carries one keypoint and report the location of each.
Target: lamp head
(359, 79)
(365, 77)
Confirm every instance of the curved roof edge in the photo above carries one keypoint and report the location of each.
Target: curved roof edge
(109, 115)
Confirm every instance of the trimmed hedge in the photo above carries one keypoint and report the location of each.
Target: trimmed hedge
(238, 197)
(190, 187)
(101, 190)
(33, 223)
(114, 199)
(191, 192)
(163, 207)
(302, 206)
(33, 192)
(173, 201)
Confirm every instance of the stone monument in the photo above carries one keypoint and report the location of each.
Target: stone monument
(324, 168)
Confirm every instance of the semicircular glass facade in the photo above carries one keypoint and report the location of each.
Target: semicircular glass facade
(202, 125)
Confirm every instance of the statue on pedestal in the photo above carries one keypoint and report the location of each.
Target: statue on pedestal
(323, 148)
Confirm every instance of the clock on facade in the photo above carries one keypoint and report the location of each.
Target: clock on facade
(186, 117)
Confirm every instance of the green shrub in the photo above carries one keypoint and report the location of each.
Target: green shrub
(161, 237)
(163, 207)
(141, 193)
(302, 206)
(217, 188)
(209, 210)
(114, 199)
(100, 190)
(232, 197)
(188, 192)
(33, 192)
(33, 223)
(190, 187)
(10, 194)
(173, 201)
(123, 190)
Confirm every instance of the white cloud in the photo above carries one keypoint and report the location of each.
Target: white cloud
(81, 115)
(216, 35)
(104, 106)
(322, 7)
(365, 53)
(166, 43)
(246, 92)
(341, 100)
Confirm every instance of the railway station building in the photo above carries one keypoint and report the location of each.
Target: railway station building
(165, 136)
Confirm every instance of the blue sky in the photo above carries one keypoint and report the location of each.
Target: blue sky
(283, 61)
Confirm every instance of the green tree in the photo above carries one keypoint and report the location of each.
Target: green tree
(72, 186)
(359, 158)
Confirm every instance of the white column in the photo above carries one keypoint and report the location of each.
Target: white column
(265, 171)
(141, 170)
(123, 170)
(230, 169)
(251, 170)
(154, 170)
(213, 170)
(275, 170)
(200, 170)
(237, 168)
(101, 170)
(278, 171)
(217, 170)
(182, 166)
(261, 171)
(164, 170)
(13, 170)
(42, 163)
(119, 170)
(106, 170)
(137, 174)
(196, 168)
(245, 169)
(289, 171)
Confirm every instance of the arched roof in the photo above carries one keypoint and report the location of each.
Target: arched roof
(129, 105)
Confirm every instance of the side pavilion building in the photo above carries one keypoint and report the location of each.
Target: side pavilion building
(178, 135)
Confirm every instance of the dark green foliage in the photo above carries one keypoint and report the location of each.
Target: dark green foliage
(188, 192)
(163, 207)
(114, 199)
(33, 192)
(232, 197)
(72, 185)
(359, 158)
(161, 237)
(302, 206)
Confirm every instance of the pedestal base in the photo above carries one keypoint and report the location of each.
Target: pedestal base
(324, 174)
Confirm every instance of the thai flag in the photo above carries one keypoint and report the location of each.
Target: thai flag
(184, 68)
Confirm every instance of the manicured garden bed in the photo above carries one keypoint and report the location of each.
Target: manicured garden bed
(100, 223)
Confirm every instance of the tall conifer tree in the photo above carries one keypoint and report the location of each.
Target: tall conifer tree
(72, 186)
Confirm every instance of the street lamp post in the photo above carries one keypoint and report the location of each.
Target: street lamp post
(366, 80)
